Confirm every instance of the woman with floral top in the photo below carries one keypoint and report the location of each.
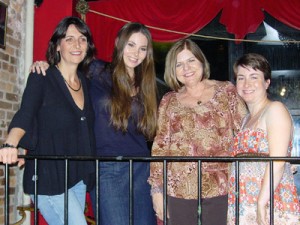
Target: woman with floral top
(198, 118)
(266, 131)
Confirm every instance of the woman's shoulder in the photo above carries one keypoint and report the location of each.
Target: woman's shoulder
(97, 68)
(99, 74)
(277, 118)
(96, 64)
(51, 73)
(276, 108)
(167, 96)
(222, 87)
(276, 113)
(220, 84)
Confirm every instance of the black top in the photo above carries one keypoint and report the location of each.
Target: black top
(54, 125)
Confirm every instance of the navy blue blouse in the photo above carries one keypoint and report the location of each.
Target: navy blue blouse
(109, 141)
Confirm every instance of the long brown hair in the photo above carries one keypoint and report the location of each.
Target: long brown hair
(144, 82)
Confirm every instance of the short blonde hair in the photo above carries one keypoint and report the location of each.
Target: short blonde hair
(171, 60)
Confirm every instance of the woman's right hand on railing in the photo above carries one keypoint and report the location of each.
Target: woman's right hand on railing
(8, 154)
(39, 67)
(9, 149)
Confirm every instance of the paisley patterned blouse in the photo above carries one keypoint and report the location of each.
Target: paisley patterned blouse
(204, 130)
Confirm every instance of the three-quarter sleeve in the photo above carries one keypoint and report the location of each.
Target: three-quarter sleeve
(161, 143)
(200, 131)
(25, 117)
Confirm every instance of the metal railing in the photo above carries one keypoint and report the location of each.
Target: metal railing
(131, 160)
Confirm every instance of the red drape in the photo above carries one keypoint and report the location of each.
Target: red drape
(286, 11)
(241, 16)
(184, 16)
(46, 18)
(191, 15)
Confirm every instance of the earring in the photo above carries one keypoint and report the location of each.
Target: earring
(57, 56)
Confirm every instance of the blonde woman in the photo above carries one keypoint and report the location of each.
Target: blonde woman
(198, 118)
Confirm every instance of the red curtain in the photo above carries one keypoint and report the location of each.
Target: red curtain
(183, 16)
(286, 11)
(187, 16)
(241, 16)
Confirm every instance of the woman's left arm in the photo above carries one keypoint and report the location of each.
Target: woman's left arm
(160, 147)
(279, 128)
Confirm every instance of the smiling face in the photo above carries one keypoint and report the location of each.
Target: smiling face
(135, 51)
(251, 84)
(189, 70)
(73, 46)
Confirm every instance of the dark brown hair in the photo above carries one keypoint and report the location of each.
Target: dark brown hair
(256, 62)
(53, 57)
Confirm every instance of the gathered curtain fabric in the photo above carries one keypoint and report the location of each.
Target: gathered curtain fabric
(170, 20)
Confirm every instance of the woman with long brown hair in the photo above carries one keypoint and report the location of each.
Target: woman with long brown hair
(123, 94)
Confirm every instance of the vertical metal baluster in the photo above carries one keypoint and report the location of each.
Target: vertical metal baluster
(66, 193)
(271, 193)
(35, 191)
(199, 191)
(6, 204)
(237, 191)
(165, 191)
(130, 193)
(97, 191)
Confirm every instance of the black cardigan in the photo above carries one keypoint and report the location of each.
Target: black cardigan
(54, 125)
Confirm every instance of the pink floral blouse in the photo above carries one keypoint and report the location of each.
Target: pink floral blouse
(204, 130)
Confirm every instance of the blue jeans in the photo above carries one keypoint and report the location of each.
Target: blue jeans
(52, 206)
(114, 194)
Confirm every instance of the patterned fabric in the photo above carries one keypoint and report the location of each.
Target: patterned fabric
(203, 130)
(286, 203)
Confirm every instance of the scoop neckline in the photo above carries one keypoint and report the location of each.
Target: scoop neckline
(198, 106)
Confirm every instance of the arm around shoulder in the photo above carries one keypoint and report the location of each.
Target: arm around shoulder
(39, 67)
